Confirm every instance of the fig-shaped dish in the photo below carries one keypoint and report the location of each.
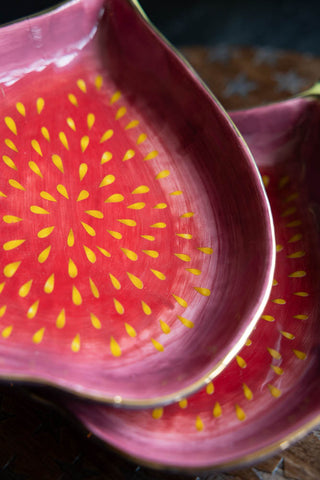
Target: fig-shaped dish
(137, 246)
(269, 395)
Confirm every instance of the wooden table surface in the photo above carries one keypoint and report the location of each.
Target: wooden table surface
(39, 443)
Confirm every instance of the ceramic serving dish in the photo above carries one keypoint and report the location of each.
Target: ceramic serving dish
(137, 247)
(270, 394)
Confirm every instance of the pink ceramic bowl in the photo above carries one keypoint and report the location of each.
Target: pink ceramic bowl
(269, 395)
(137, 247)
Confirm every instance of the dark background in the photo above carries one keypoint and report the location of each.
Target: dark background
(284, 24)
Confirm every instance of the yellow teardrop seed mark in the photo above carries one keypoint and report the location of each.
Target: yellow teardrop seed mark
(165, 327)
(150, 238)
(71, 124)
(295, 238)
(16, 185)
(162, 206)
(120, 113)
(83, 169)
(9, 162)
(299, 354)
(42, 257)
(130, 254)
(115, 282)
(2, 286)
(206, 250)
(36, 147)
(63, 191)
(90, 231)
(158, 225)
(128, 155)
(289, 211)
(298, 274)
(275, 392)
(61, 319)
(301, 317)
(151, 253)
(163, 174)
(187, 323)
(247, 392)
(241, 362)
(76, 296)
(277, 370)
(114, 234)
(115, 198)
(107, 180)
(95, 213)
(10, 269)
(183, 403)
(266, 180)
(49, 285)
(203, 291)
(118, 306)
(45, 133)
(84, 142)
(75, 344)
(83, 195)
(10, 144)
(194, 271)
(176, 193)
(274, 282)
(95, 321)
(90, 120)
(11, 124)
(141, 189)
(137, 206)
(21, 108)
(91, 256)
(283, 182)
(279, 248)
(98, 82)
(187, 215)
(70, 239)
(186, 236)
(301, 294)
(128, 222)
(152, 155)
(12, 244)
(158, 274)
(73, 99)
(199, 424)
(274, 353)
(145, 307)
(240, 413)
(158, 346)
(210, 388)
(34, 167)
(135, 281)
(6, 332)
(38, 210)
(63, 140)
(40, 105)
(106, 136)
(279, 301)
(82, 85)
(268, 318)
(115, 97)
(157, 413)
(104, 252)
(47, 196)
(287, 335)
(38, 336)
(3, 310)
(183, 257)
(181, 301)
(106, 157)
(248, 342)
(142, 138)
(217, 411)
(72, 269)
(32, 311)
(94, 288)
(132, 124)
(25, 289)
(115, 348)
(57, 162)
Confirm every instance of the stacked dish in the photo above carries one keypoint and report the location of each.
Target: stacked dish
(138, 248)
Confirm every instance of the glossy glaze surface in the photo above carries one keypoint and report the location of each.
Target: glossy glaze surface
(136, 240)
(270, 394)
